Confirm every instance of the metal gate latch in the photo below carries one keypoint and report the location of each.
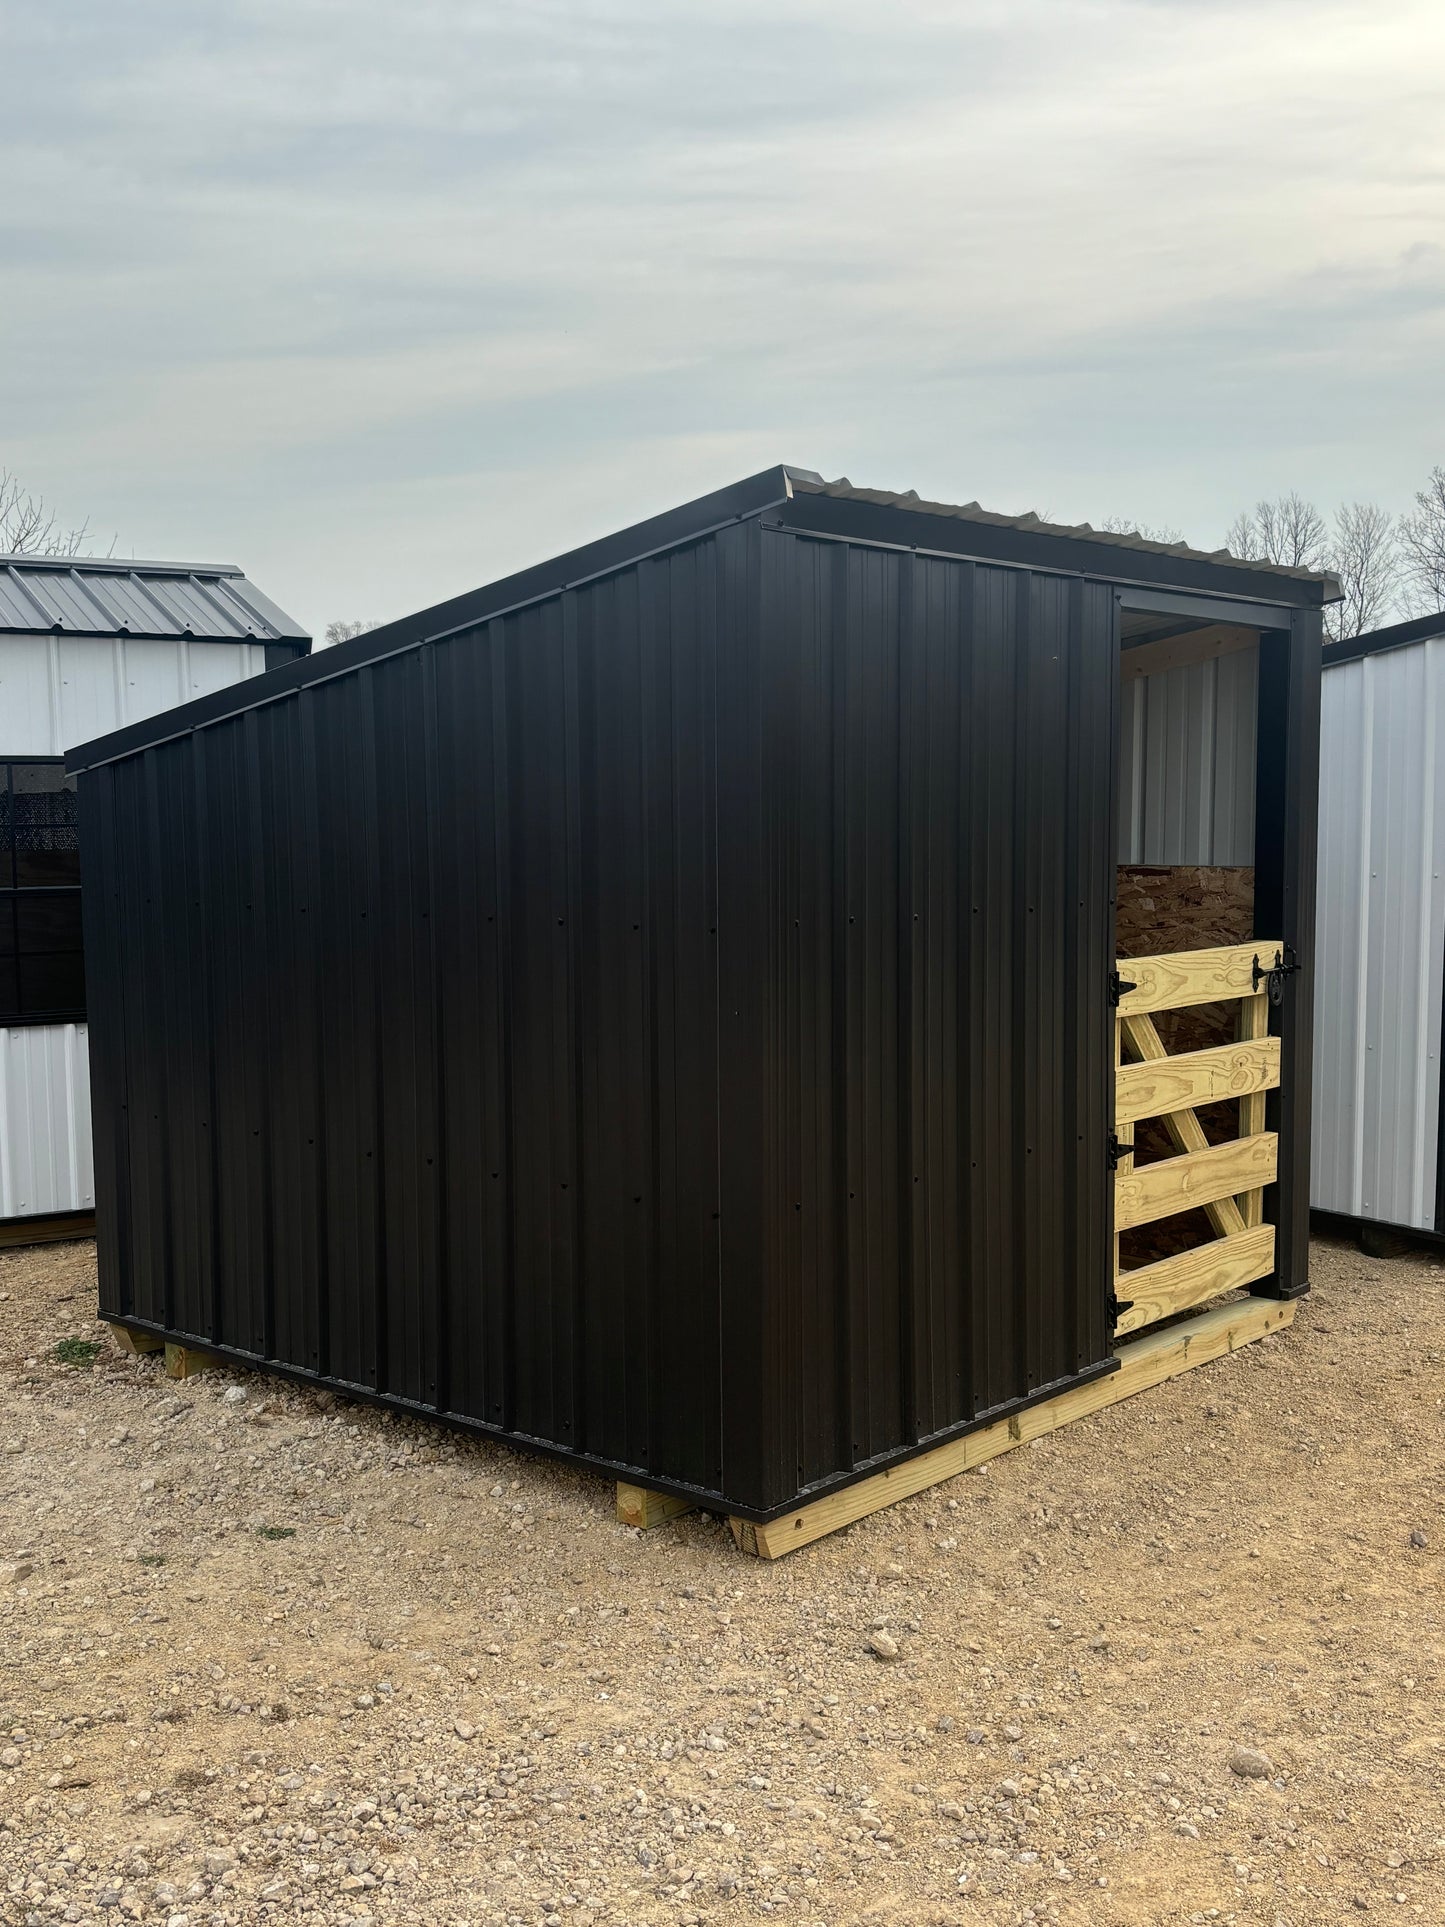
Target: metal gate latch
(1285, 965)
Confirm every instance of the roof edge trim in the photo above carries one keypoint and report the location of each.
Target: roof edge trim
(1045, 548)
(114, 565)
(1374, 642)
(674, 528)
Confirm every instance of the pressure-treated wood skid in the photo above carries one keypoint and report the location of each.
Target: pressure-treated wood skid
(181, 1361)
(1146, 1362)
(1226, 1179)
(136, 1343)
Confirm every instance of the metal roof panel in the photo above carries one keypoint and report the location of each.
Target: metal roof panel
(1032, 524)
(85, 596)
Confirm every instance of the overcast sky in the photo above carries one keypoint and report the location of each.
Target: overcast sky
(384, 301)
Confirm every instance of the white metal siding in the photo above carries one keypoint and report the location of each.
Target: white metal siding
(59, 690)
(56, 691)
(1380, 946)
(45, 1156)
(1187, 748)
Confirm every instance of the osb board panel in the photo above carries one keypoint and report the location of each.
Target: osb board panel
(1187, 907)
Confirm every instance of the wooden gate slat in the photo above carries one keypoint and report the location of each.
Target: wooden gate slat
(1186, 977)
(1184, 1129)
(1192, 1277)
(1178, 1083)
(1204, 1177)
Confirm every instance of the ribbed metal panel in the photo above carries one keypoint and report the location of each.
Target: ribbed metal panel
(1187, 763)
(1381, 936)
(666, 1023)
(407, 1019)
(45, 1156)
(940, 894)
(58, 690)
(83, 596)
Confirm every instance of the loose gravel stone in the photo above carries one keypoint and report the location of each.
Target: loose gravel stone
(460, 1692)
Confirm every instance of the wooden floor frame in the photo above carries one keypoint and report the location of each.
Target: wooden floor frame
(1143, 1363)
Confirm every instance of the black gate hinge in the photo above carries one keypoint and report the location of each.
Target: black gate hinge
(1118, 1151)
(1286, 963)
(1117, 1308)
(1118, 988)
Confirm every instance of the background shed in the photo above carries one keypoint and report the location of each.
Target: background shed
(86, 645)
(1381, 946)
(658, 1008)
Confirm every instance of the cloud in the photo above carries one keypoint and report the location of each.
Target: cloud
(383, 301)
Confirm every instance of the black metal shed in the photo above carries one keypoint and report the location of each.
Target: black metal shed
(658, 1008)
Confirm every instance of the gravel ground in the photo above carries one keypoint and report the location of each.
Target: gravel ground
(265, 1656)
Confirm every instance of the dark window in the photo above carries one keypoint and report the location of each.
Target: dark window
(42, 967)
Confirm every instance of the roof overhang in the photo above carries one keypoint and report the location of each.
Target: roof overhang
(1252, 594)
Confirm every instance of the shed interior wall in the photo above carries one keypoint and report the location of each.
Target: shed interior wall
(1185, 882)
(1187, 754)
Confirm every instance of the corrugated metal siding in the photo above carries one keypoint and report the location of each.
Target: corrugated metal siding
(410, 985)
(940, 883)
(59, 690)
(669, 1035)
(1381, 936)
(1187, 763)
(46, 1164)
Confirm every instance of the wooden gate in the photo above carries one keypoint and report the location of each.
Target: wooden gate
(1227, 1179)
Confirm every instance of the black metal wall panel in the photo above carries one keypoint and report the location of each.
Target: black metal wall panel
(411, 1066)
(940, 877)
(666, 1023)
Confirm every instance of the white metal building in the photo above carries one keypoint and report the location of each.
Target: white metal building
(1380, 963)
(86, 646)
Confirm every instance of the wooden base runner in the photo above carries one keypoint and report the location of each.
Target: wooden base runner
(136, 1343)
(1143, 1363)
(184, 1361)
(638, 1506)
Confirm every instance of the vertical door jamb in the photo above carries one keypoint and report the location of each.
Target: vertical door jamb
(1285, 833)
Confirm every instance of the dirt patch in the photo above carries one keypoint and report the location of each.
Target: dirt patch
(267, 1658)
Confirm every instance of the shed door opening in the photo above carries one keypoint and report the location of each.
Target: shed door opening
(1193, 1051)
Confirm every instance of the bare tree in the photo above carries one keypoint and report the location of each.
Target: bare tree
(1365, 556)
(1150, 531)
(1242, 538)
(1422, 544)
(344, 631)
(28, 527)
(1289, 532)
